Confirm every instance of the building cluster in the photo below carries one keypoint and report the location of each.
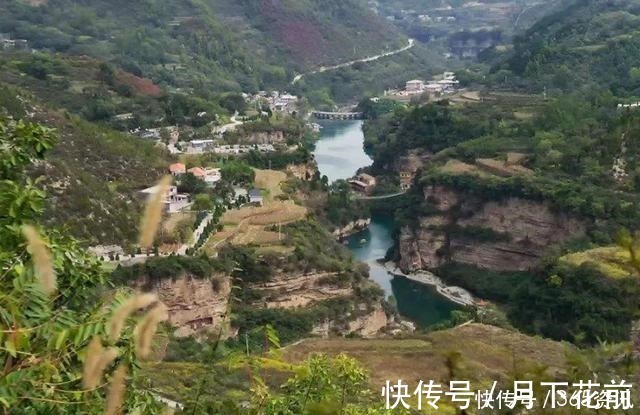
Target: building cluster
(210, 146)
(173, 132)
(363, 183)
(209, 175)
(173, 201)
(629, 106)
(7, 43)
(252, 196)
(277, 101)
(439, 15)
(425, 18)
(445, 84)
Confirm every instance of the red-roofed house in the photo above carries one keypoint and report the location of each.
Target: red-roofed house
(198, 172)
(177, 169)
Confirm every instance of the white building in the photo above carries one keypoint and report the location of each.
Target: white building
(212, 176)
(255, 196)
(199, 146)
(415, 85)
(173, 201)
(434, 88)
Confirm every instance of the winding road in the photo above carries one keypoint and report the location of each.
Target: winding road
(411, 43)
(230, 126)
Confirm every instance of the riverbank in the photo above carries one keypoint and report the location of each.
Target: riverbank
(339, 153)
(351, 228)
(457, 295)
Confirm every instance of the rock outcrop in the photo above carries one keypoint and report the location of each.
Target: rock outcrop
(195, 305)
(294, 290)
(370, 324)
(351, 228)
(302, 171)
(367, 325)
(528, 229)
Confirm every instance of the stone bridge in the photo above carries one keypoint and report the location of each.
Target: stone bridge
(322, 115)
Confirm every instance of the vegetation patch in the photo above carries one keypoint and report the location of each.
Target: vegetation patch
(475, 352)
(612, 261)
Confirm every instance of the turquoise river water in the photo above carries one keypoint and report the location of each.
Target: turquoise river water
(339, 153)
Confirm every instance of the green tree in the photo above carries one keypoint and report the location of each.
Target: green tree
(203, 202)
(234, 103)
(191, 184)
(237, 173)
(51, 303)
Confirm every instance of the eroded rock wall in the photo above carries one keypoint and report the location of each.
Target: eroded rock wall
(195, 305)
(530, 229)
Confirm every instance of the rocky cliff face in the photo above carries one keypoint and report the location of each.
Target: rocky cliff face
(367, 325)
(195, 305)
(351, 228)
(527, 230)
(303, 171)
(294, 290)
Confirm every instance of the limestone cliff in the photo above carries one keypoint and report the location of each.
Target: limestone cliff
(195, 305)
(367, 325)
(295, 290)
(524, 230)
(351, 228)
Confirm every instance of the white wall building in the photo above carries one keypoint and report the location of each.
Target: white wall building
(415, 85)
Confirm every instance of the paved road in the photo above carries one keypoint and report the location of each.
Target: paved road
(196, 235)
(411, 43)
(229, 127)
(140, 258)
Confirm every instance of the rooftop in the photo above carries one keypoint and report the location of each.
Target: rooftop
(177, 168)
(197, 171)
(255, 193)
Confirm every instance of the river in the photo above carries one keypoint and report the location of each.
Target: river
(339, 153)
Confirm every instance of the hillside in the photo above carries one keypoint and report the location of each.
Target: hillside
(464, 27)
(504, 189)
(476, 352)
(205, 44)
(91, 175)
(587, 44)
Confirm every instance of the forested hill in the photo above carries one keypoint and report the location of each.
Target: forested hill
(212, 44)
(588, 43)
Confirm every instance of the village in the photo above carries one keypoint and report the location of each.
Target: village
(182, 140)
(287, 105)
(439, 86)
(179, 199)
(175, 201)
(8, 43)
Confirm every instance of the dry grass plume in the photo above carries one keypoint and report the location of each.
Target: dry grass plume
(96, 361)
(153, 213)
(146, 329)
(121, 314)
(116, 391)
(42, 260)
